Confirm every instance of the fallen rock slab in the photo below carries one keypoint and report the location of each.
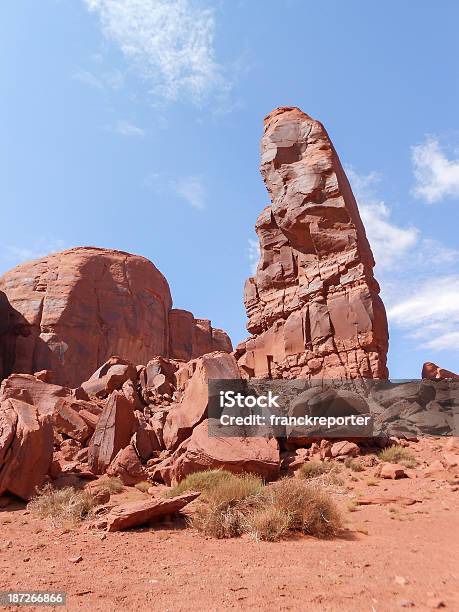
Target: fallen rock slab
(134, 514)
(382, 501)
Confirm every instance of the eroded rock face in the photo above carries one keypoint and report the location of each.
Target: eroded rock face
(183, 417)
(313, 305)
(75, 309)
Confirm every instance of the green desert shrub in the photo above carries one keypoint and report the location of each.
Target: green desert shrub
(398, 454)
(217, 482)
(242, 504)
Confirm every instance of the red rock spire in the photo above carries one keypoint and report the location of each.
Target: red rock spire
(313, 305)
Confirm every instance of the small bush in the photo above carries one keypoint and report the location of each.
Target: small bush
(64, 507)
(398, 454)
(113, 484)
(143, 486)
(219, 521)
(241, 504)
(311, 509)
(268, 523)
(211, 480)
(225, 501)
(313, 469)
(353, 465)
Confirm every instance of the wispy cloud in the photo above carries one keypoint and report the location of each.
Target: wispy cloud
(431, 313)
(421, 300)
(437, 177)
(126, 128)
(388, 241)
(12, 255)
(111, 79)
(192, 190)
(170, 43)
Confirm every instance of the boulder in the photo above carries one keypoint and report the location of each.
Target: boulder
(203, 452)
(344, 449)
(113, 432)
(313, 306)
(193, 408)
(70, 450)
(69, 312)
(110, 377)
(89, 418)
(144, 439)
(391, 471)
(433, 372)
(126, 465)
(26, 448)
(134, 514)
(68, 421)
(158, 377)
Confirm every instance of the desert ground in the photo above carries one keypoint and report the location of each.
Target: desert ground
(388, 556)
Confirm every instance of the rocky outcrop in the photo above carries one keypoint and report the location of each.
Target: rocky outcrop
(26, 448)
(433, 372)
(313, 305)
(73, 310)
(183, 417)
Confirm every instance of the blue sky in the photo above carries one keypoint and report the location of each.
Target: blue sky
(135, 124)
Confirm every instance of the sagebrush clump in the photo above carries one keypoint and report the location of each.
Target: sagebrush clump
(63, 507)
(231, 505)
(398, 454)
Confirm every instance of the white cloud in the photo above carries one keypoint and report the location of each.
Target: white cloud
(126, 128)
(421, 304)
(12, 255)
(388, 241)
(169, 42)
(429, 312)
(436, 176)
(192, 190)
(254, 254)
